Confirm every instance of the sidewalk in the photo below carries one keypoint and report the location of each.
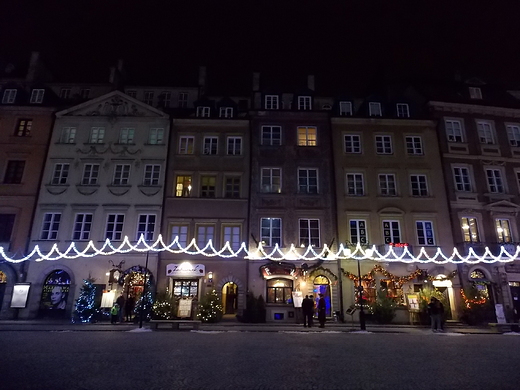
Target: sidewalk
(232, 326)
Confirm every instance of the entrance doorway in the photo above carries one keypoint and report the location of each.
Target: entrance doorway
(229, 298)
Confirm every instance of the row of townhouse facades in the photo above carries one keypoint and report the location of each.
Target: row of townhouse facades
(432, 166)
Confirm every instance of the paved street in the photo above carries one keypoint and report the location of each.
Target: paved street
(68, 359)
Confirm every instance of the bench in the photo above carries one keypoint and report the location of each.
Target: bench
(508, 326)
(175, 324)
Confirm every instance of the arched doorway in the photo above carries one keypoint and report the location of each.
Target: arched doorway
(55, 294)
(132, 287)
(230, 298)
(3, 285)
(445, 287)
(321, 285)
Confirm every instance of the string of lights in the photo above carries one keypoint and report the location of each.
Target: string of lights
(403, 255)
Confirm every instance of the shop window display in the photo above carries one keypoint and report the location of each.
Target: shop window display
(55, 294)
(279, 291)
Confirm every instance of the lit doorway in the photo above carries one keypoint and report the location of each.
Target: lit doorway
(321, 285)
(229, 298)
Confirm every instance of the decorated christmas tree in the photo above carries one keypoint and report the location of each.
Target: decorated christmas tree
(210, 308)
(85, 310)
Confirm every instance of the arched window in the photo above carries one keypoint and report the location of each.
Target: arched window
(55, 291)
(279, 291)
(322, 286)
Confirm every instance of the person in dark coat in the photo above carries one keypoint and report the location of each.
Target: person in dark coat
(308, 311)
(129, 307)
(436, 311)
(121, 302)
(322, 308)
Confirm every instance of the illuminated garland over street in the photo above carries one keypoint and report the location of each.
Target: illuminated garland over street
(276, 254)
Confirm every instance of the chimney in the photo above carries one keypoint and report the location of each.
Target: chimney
(310, 82)
(33, 67)
(256, 82)
(202, 80)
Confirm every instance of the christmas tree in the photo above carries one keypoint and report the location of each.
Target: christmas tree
(85, 310)
(210, 309)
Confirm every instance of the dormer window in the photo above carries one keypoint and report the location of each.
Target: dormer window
(271, 102)
(9, 96)
(374, 109)
(203, 112)
(304, 103)
(403, 111)
(65, 93)
(37, 95)
(226, 112)
(475, 93)
(345, 108)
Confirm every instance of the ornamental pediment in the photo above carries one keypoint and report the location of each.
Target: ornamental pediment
(503, 206)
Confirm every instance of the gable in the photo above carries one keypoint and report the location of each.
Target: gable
(502, 206)
(113, 104)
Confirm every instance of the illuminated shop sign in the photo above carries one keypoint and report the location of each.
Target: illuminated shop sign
(281, 269)
(185, 269)
(399, 244)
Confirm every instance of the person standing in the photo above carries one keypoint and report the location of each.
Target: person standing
(308, 311)
(121, 302)
(436, 311)
(129, 307)
(322, 307)
(114, 313)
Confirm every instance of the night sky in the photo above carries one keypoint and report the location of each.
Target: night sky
(348, 42)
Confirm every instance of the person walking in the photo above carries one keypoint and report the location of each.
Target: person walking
(436, 311)
(308, 311)
(322, 311)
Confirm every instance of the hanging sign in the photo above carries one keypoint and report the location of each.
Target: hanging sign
(185, 270)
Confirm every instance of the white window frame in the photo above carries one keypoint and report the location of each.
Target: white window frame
(114, 233)
(232, 234)
(486, 133)
(68, 135)
(37, 95)
(166, 98)
(186, 144)
(384, 144)
(65, 93)
(419, 185)
(358, 228)
(271, 180)
(473, 234)
(352, 143)
(274, 233)
(355, 183)
(425, 233)
(156, 136)
(97, 135)
(210, 145)
(9, 96)
(271, 102)
(414, 145)
(309, 232)
(475, 93)
(462, 178)
(307, 135)
(152, 175)
(234, 146)
(454, 129)
(269, 134)
(126, 135)
(345, 108)
(225, 112)
(495, 180)
(374, 109)
(389, 233)
(82, 226)
(304, 103)
(307, 182)
(146, 224)
(180, 231)
(121, 175)
(203, 111)
(387, 184)
(503, 231)
(403, 110)
(513, 134)
(50, 226)
(60, 174)
(204, 234)
(90, 174)
(183, 99)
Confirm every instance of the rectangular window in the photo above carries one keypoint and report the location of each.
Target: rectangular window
(310, 233)
(352, 143)
(475, 93)
(183, 186)
(82, 227)
(271, 180)
(513, 133)
(156, 136)
(90, 174)
(85, 93)
(355, 186)
(148, 97)
(51, 225)
(387, 185)
(37, 95)
(152, 173)
(307, 136)
(9, 96)
(271, 135)
(146, 227)
(65, 93)
(226, 112)
(181, 233)
(23, 129)
(183, 99)
(454, 130)
(208, 186)
(307, 180)
(503, 230)
(425, 235)
(374, 109)
(204, 234)
(60, 174)
(6, 227)
(345, 108)
(384, 144)
(494, 181)
(232, 187)
(403, 110)
(485, 132)
(14, 172)
(358, 231)
(97, 135)
(391, 232)
(166, 97)
(234, 146)
(414, 145)
(186, 145)
(271, 231)
(126, 136)
(469, 229)
(203, 112)
(114, 229)
(419, 185)
(132, 94)
(271, 102)
(121, 174)
(462, 179)
(210, 145)
(304, 103)
(68, 135)
(232, 235)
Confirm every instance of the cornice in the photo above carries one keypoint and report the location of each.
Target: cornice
(382, 121)
(475, 109)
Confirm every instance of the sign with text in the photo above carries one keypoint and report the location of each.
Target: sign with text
(413, 302)
(20, 294)
(186, 270)
(499, 311)
(184, 310)
(297, 297)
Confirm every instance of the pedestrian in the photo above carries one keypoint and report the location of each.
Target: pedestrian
(129, 307)
(436, 311)
(121, 303)
(322, 311)
(308, 311)
(114, 313)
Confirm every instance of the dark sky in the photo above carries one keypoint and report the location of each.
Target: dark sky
(352, 41)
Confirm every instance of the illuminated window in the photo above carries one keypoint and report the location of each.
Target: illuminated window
(352, 143)
(307, 136)
(271, 135)
(37, 95)
(279, 291)
(60, 174)
(183, 186)
(384, 144)
(232, 235)
(321, 285)
(355, 185)
(307, 181)
(403, 110)
(51, 225)
(414, 145)
(387, 185)
(358, 231)
(391, 232)
(469, 229)
(186, 145)
(23, 129)
(503, 230)
(90, 174)
(425, 233)
(271, 181)
(121, 174)
(309, 232)
(374, 109)
(82, 227)
(185, 288)
(208, 186)
(271, 231)
(204, 234)
(114, 227)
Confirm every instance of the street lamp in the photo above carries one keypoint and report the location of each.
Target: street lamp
(360, 292)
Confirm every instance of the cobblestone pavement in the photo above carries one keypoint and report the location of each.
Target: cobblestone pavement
(240, 359)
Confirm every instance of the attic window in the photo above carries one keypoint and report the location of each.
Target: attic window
(345, 108)
(226, 112)
(374, 109)
(403, 110)
(475, 93)
(203, 112)
(37, 95)
(9, 96)
(304, 103)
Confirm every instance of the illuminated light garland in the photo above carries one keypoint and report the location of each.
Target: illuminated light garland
(276, 254)
(468, 301)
